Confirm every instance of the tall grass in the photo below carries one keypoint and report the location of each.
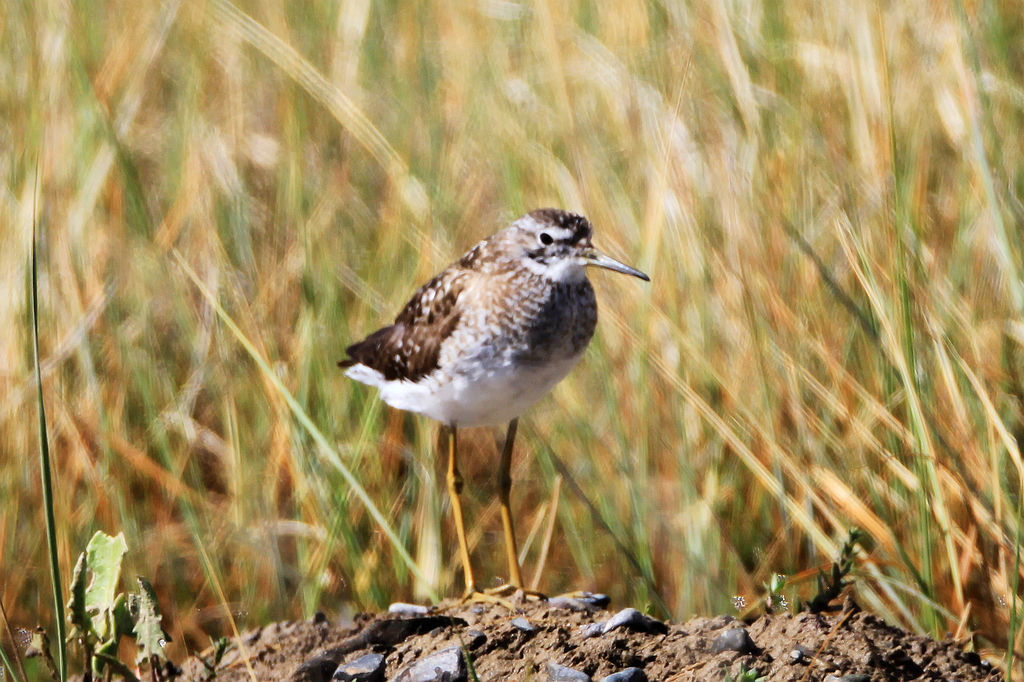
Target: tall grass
(46, 477)
(826, 195)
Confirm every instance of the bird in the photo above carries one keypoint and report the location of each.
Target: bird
(487, 338)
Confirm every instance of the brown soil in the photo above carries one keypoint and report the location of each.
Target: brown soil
(799, 648)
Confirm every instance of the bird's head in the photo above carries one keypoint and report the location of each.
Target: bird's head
(557, 245)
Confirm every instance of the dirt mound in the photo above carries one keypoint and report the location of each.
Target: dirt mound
(574, 639)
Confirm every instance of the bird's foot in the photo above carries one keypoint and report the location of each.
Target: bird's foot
(473, 596)
(516, 593)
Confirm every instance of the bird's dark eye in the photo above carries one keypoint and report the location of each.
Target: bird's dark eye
(546, 239)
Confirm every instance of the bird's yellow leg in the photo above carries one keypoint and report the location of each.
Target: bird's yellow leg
(454, 480)
(504, 495)
(515, 581)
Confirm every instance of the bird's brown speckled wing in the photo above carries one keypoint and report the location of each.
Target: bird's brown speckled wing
(410, 348)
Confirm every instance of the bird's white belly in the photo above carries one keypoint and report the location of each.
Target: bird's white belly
(481, 398)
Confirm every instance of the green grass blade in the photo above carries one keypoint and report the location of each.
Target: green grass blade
(47, 481)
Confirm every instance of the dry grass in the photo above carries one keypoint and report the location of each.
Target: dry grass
(826, 195)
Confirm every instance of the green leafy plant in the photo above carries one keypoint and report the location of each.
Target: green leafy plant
(39, 647)
(149, 634)
(219, 647)
(774, 599)
(100, 615)
(831, 585)
(745, 675)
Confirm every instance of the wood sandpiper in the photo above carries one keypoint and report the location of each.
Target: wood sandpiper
(487, 338)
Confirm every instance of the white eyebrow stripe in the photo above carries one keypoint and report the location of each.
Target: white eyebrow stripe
(557, 233)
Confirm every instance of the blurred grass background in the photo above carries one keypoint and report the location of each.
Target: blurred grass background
(827, 197)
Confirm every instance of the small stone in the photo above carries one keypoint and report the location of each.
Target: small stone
(624, 618)
(795, 656)
(316, 669)
(368, 668)
(446, 665)
(597, 600)
(971, 658)
(570, 603)
(523, 625)
(734, 639)
(403, 609)
(627, 675)
(561, 673)
(631, 619)
(583, 601)
(476, 639)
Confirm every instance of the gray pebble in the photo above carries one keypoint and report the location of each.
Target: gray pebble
(403, 609)
(368, 668)
(523, 625)
(801, 654)
(627, 675)
(476, 639)
(631, 619)
(855, 677)
(561, 673)
(597, 600)
(316, 669)
(624, 618)
(446, 665)
(585, 601)
(570, 603)
(628, 618)
(734, 639)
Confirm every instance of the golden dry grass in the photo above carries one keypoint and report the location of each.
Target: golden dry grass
(826, 196)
